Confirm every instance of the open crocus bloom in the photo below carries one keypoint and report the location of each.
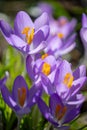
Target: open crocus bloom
(45, 65)
(28, 37)
(62, 26)
(58, 46)
(58, 112)
(21, 99)
(66, 82)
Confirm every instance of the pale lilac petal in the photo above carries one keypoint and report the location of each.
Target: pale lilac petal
(83, 34)
(84, 20)
(19, 44)
(22, 20)
(41, 21)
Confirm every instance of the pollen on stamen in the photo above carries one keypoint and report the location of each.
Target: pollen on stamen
(68, 80)
(60, 35)
(60, 112)
(44, 56)
(29, 34)
(22, 95)
(46, 69)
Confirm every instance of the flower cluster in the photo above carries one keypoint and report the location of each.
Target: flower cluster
(43, 42)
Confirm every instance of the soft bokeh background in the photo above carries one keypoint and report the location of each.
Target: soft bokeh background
(12, 61)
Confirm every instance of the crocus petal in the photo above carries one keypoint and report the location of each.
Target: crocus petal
(41, 21)
(34, 92)
(22, 20)
(67, 46)
(78, 99)
(39, 48)
(83, 34)
(84, 20)
(77, 84)
(6, 96)
(19, 83)
(45, 29)
(71, 114)
(63, 51)
(45, 111)
(29, 66)
(48, 87)
(19, 44)
(72, 24)
(54, 44)
(63, 69)
(6, 31)
(53, 102)
(38, 38)
(79, 72)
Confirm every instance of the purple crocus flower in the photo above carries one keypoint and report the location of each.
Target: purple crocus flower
(62, 26)
(28, 37)
(60, 46)
(58, 112)
(45, 65)
(21, 99)
(66, 82)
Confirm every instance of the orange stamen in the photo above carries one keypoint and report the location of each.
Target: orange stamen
(68, 80)
(46, 68)
(22, 95)
(60, 112)
(60, 35)
(29, 36)
(44, 56)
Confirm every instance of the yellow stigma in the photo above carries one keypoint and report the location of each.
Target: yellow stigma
(60, 111)
(29, 36)
(60, 35)
(46, 68)
(22, 95)
(68, 80)
(44, 56)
